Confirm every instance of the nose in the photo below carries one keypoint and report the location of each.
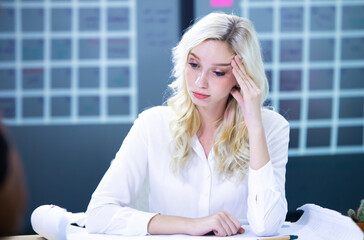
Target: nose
(202, 81)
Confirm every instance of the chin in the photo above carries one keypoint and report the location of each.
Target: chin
(198, 103)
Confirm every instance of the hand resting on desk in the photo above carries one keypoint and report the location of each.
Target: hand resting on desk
(221, 224)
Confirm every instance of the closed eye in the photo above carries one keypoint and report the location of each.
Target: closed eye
(219, 74)
(193, 65)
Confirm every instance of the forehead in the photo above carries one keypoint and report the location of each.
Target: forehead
(213, 51)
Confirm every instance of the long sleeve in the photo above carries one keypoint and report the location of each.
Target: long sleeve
(108, 211)
(267, 205)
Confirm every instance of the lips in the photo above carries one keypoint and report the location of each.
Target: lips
(200, 95)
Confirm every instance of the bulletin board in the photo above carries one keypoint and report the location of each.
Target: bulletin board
(313, 53)
(68, 62)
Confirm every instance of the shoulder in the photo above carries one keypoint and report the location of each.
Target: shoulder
(158, 111)
(271, 116)
(156, 115)
(273, 120)
(154, 123)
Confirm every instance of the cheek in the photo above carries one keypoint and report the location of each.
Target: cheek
(222, 87)
(233, 80)
(230, 83)
(189, 76)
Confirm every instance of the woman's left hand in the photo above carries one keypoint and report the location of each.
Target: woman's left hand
(249, 95)
(249, 98)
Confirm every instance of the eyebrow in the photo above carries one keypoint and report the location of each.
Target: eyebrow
(215, 64)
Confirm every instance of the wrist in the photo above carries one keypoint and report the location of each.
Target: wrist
(191, 227)
(197, 226)
(188, 226)
(256, 128)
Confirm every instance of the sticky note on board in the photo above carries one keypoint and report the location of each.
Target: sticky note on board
(221, 3)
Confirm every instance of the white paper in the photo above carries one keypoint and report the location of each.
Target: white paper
(323, 224)
(51, 221)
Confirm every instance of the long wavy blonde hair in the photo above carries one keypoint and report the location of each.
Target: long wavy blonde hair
(231, 145)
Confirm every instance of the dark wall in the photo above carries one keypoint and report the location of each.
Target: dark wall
(63, 164)
(334, 181)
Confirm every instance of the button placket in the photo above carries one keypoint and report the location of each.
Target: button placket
(204, 203)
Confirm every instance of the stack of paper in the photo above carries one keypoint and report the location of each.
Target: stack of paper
(322, 223)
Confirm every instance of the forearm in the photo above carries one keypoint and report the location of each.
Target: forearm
(267, 205)
(221, 224)
(114, 219)
(269, 223)
(259, 155)
(163, 224)
(266, 215)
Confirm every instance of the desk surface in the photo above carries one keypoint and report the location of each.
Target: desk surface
(24, 237)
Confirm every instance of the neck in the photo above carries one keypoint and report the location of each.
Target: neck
(209, 119)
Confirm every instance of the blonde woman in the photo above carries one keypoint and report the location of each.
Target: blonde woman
(213, 156)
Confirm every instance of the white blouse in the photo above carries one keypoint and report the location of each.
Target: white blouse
(198, 192)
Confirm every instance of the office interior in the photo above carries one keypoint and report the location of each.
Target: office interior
(75, 74)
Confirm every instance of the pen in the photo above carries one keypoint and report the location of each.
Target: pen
(288, 237)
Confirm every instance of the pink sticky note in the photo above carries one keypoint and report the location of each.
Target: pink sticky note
(221, 3)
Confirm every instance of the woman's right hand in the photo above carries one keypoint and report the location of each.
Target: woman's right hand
(221, 224)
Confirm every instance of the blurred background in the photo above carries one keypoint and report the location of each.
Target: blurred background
(74, 75)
